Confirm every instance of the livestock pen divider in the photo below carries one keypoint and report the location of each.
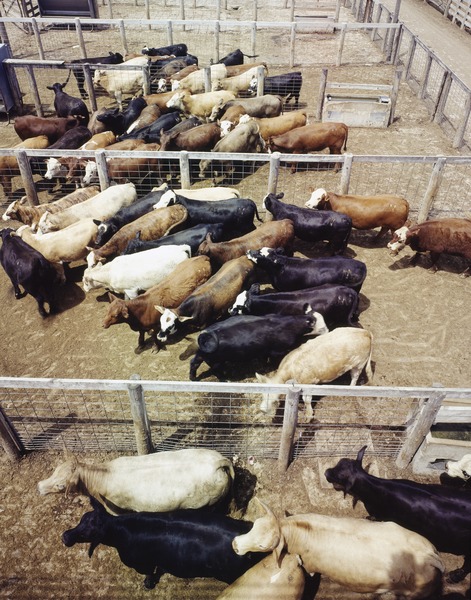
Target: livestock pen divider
(85, 415)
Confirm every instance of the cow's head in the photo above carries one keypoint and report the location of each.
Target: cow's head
(460, 468)
(168, 198)
(12, 210)
(161, 85)
(265, 536)
(317, 198)
(265, 253)
(253, 85)
(54, 168)
(345, 472)
(118, 311)
(91, 172)
(44, 223)
(267, 203)
(176, 101)
(60, 480)
(90, 529)
(226, 127)
(168, 323)
(399, 240)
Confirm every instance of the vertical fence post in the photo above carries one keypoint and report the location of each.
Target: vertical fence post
(34, 89)
(444, 88)
(207, 79)
(274, 172)
(110, 9)
(320, 99)
(343, 31)
(460, 131)
(218, 10)
(139, 416)
(337, 11)
(410, 58)
(260, 80)
(432, 189)
(87, 74)
(102, 169)
(255, 11)
(292, 45)
(254, 38)
(122, 31)
(27, 177)
(81, 41)
(291, 12)
(147, 8)
(394, 94)
(428, 66)
(185, 177)
(146, 79)
(290, 420)
(397, 44)
(169, 32)
(419, 429)
(39, 43)
(217, 29)
(10, 441)
(346, 173)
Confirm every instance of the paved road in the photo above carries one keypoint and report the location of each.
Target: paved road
(450, 43)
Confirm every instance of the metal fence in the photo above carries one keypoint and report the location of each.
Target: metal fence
(89, 415)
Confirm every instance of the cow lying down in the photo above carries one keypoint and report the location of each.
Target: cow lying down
(164, 481)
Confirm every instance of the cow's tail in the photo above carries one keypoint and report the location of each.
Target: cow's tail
(346, 139)
(250, 55)
(257, 215)
(68, 77)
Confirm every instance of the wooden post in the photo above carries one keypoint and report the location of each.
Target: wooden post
(419, 429)
(169, 32)
(291, 12)
(397, 44)
(27, 176)
(346, 173)
(87, 74)
(290, 420)
(110, 9)
(443, 97)
(255, 11)
(38, 38)
(428, 65)
(292, 45)
(102, 169)
(343, 31)
(217, 29)
(260, 80)
(320, 98)
(207, 79)
(139, 416)
(218, 10)
(337, 11)
(81, 41)
(34, 89)
(254, 38)
(410, 58)
(394, 94)
(146, 79)
(147, 7)
(11, 443)
(432, 188)
(185, 177)
(273, 173)
(460, 131)
(122, 31)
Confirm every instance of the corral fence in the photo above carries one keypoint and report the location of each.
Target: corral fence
(130, 415)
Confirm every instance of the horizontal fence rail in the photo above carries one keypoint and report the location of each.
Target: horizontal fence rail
(117, 415)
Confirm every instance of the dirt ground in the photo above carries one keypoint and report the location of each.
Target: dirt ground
(422, 335)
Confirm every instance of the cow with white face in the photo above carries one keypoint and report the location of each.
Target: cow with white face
(91, 173)
(399, 240)
(161, 85)
(460, 468)
(55, 169)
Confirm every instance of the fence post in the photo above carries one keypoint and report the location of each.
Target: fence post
(437, 113)
(432, 188)
(169, 32)
(397, 44)
(346, 173)
(260, 80)
(419, 429)
(38, 38)
(10, 441)
(410, 58)
(320, 99)
(217, 29)
(147, 8)
(87, 74)
(428, 66)
(290, 420)
(27, 177)
(34, 89)
(254, 38)
(394, 93)
(460, 131)
(139, 416)
(102, 169)
(146, 78)
(292, 45)
(273, 173)
(343, 31)
(81, 41)
(185, 177)
(207, 79)
(122, 31)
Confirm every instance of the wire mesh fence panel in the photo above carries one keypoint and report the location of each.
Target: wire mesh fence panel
(455, 100)
(451, 199)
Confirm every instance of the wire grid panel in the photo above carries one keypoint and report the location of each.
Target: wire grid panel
(455, 100)
(432, 88)
(451, 198)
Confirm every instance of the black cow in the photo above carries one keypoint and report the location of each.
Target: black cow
(151, 133)
(184, 543)
(439, 513)
(288, 273)
(172, 50)
(236, 214)
(26, 267)
(236, 57)
(169, 66)
(118, 122)
(72, 139)
(114, 58)
(338, 304)
(192, 237)
(248, 337)
(312, 226)
(287, 86)
(127, 214)
(66, 105)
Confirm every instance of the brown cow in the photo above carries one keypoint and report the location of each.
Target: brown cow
(202, 138)
(311, 138)
(141, 313)
(388, 211)
(272, 126)
(272, 234)
(160, 100)
(30, 126)
(9, 164)
(447, 236)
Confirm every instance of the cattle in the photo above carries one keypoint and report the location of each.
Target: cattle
(312, 226)
(236, 57)
(94, 125)
(199, 105)
(122, 81)
(91, 171)
(101, 207)
(21, 211)
(160, 100)
(388, 211)
(202, 138)
(26, 267)
(187, 544)
(262, 106)
(127, 214)
(67, 245)
(460, 468)
(151, 133)
(172, 49)
(193, 237)
(9, 164)
(118, 122)
(243, 138)
(209, 194)
(236, 214)
(441, 236)
(439, 513)
(248, 337)
(180, 127)
(338, 304)
(311, 138)
(194, 83)
(148, 115)
(72, 139)
(233, 70)
(181, 74)
(272, 233)
(210, 300)
(287, 85)
(141, 313)
(113, 58)
(29, 126)
(66, 105)
(292, 273)
(323, 359)
(151, 225)
(284, 581)
(361, 555)
(271, 126)
(135, 273)
(161, 481)
(163, 70)
(236, 84)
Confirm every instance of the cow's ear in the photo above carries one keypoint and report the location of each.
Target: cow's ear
(97, 222)
(360, 454)
(96, 505)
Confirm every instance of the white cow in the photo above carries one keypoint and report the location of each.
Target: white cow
(164, 481)
(361, 555)
(119, 82)
(460, 468)
(133, 273)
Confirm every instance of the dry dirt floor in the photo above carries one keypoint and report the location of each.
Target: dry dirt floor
(422, 335)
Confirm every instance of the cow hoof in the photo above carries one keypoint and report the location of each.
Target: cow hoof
(150, 582)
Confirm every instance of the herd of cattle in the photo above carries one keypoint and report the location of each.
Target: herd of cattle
(154, 510)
